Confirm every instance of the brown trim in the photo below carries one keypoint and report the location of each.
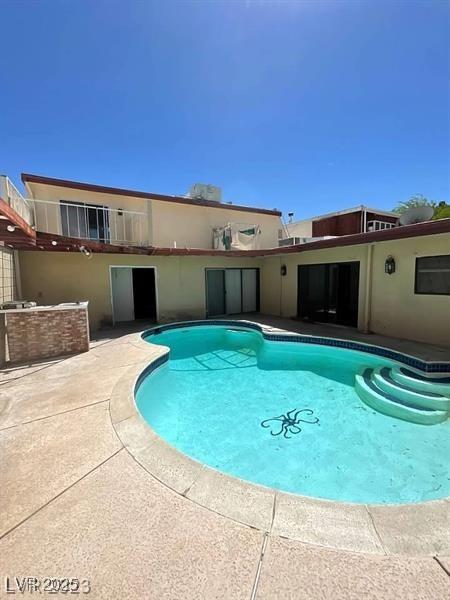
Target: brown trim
(44, 242)
(67, 244)
(13, 218)
(89, 187)
(383, 235)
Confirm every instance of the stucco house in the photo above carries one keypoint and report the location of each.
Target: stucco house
(393, 281)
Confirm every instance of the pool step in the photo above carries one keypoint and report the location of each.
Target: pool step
(384, 378)
(378, 389)
(420, 381)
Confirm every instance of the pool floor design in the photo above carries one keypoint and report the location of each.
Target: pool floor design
(210, 399)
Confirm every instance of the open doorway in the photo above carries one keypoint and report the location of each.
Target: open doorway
(133, 294)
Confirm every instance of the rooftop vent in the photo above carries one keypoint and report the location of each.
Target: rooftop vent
(205, 191)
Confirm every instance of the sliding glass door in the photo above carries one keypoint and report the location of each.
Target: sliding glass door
(85, 221)
(329, 293)
(215, 292)
(231, 291)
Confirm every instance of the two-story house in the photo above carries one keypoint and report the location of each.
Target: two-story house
(130, 217)
(136, 255)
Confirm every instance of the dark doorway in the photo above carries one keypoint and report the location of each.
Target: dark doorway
(144, 293)
(328, 293)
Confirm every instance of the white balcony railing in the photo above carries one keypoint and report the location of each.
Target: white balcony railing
(90, 222)
(11, 195)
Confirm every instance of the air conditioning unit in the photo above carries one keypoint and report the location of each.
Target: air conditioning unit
(205, 191)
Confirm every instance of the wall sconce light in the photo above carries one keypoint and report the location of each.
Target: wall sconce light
(86, 251)
(283, 270)
(389, 265)
(10, 228)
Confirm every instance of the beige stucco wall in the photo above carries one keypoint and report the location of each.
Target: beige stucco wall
(188, 226)
(300, 228)
(192, 226)
(53, 277)
(395, 310)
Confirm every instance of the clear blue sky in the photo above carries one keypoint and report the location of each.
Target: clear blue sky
(303, 106)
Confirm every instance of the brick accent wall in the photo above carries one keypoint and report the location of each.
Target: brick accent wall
(39, 334)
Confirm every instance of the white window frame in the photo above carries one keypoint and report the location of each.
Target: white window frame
(377, 225)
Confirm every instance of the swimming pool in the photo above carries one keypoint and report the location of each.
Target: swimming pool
(287, 416)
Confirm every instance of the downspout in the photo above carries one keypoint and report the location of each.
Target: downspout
(368, 295)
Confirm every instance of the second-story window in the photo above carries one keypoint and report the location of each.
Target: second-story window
(85, 221)
(377, 225)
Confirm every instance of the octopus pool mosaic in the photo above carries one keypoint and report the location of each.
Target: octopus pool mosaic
(286, 415)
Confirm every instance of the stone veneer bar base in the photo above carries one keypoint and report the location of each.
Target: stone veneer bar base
(44, 332)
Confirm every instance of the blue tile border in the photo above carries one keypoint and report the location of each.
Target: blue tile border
(150, 368)
(421, 365)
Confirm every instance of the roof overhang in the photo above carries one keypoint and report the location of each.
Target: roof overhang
(371, 237)
(29, 179)
(57, 243)
(13, 229)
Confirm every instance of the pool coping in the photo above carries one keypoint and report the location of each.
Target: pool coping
(405, 529)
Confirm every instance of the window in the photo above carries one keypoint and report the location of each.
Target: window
(433, 275)
(86, 221)
(377, 225)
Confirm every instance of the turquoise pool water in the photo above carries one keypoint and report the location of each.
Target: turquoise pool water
(215, 398)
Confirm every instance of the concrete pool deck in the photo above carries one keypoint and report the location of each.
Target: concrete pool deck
(75, 503)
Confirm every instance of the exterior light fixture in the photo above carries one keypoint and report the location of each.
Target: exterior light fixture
(54, 243)
(283, 270)
(85, 251)
(10, 228)
(389, 265)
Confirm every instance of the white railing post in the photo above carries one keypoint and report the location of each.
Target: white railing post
(14, 198)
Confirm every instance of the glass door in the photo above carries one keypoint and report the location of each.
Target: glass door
(231, 291)
(249, 290)
(328, 293)
(215, 292)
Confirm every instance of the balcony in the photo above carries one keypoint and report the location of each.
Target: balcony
(91, 222)
(11, 195)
